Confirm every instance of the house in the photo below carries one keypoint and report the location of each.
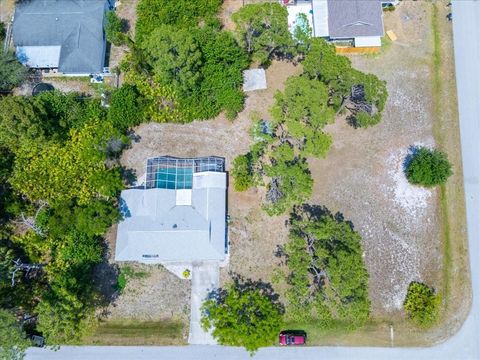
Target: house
(64, 36)
(355, 23)
(178, 215)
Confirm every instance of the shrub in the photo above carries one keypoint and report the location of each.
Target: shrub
(242, 173)
(422, 304)
(12, 73)
(182, 14)
(186, 273)
(427, 167)
(364, 120)
(121, 282)
(125, 107)
(114, 28)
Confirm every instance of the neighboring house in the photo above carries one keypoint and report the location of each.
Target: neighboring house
(178, 216)
(64, 36)
(357, 23)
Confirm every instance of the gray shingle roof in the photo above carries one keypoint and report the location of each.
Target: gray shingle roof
(355, 18)
(75, 25)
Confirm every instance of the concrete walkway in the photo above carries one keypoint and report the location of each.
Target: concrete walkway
(205, 277)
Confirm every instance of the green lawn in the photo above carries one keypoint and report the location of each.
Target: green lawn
(128, 332)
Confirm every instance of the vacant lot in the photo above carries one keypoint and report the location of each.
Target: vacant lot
(406, 230)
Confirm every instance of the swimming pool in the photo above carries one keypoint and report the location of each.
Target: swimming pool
(167, 172)
(174, 178)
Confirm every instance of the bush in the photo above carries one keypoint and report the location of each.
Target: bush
(364, 120)
(126, 108)
(182, 14)
(121, 282)
(114, 28)
(422, 304)
(242, 173)
(12, 73)
(427, 167)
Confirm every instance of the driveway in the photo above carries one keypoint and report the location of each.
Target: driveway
(465, 345)
(205, 277)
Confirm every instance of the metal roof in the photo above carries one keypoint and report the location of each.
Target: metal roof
(75, 25)
(353, 18)
(159, 226)
(320, 18)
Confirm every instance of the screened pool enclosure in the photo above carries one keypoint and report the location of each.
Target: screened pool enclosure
(167, 172)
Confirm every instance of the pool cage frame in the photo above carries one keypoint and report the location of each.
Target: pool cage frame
(198, 164)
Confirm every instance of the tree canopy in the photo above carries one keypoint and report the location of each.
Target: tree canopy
(290, 180)
(174, 56)
(303, 110)
(58, 172)
(427, 167)
(243, 314)
(364, 95)
(181, 14)
(202, 67)
(13, 342)
(126, 107)
(114, 28)
(60, 181)
(12, 73)
(326, 274)
(263, 31)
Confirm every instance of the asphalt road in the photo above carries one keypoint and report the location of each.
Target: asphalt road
(465, 345)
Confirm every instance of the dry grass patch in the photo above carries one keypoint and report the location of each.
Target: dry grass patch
(131, 332)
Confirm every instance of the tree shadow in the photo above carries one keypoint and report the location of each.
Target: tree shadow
(129, 176)
(352, 121)
(105, 279)
(246, 284)
(133, 136)
(412, 151)
(316, 213)
(125, 25)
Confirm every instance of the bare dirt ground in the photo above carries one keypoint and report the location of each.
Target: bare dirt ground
(149, 297)
(200, 138)
(126, 9)
(7, 9)
(152, 293)
(398, 222)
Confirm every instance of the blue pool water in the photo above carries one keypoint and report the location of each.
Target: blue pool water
(174, 178)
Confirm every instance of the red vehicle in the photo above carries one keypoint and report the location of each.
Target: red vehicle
(292, 338)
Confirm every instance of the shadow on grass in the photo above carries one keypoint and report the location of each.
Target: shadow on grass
(244, 285)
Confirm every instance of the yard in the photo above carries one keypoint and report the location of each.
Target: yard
(409, 233)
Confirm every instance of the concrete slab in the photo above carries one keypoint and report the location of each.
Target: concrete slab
(254, 79)
(205, 277)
